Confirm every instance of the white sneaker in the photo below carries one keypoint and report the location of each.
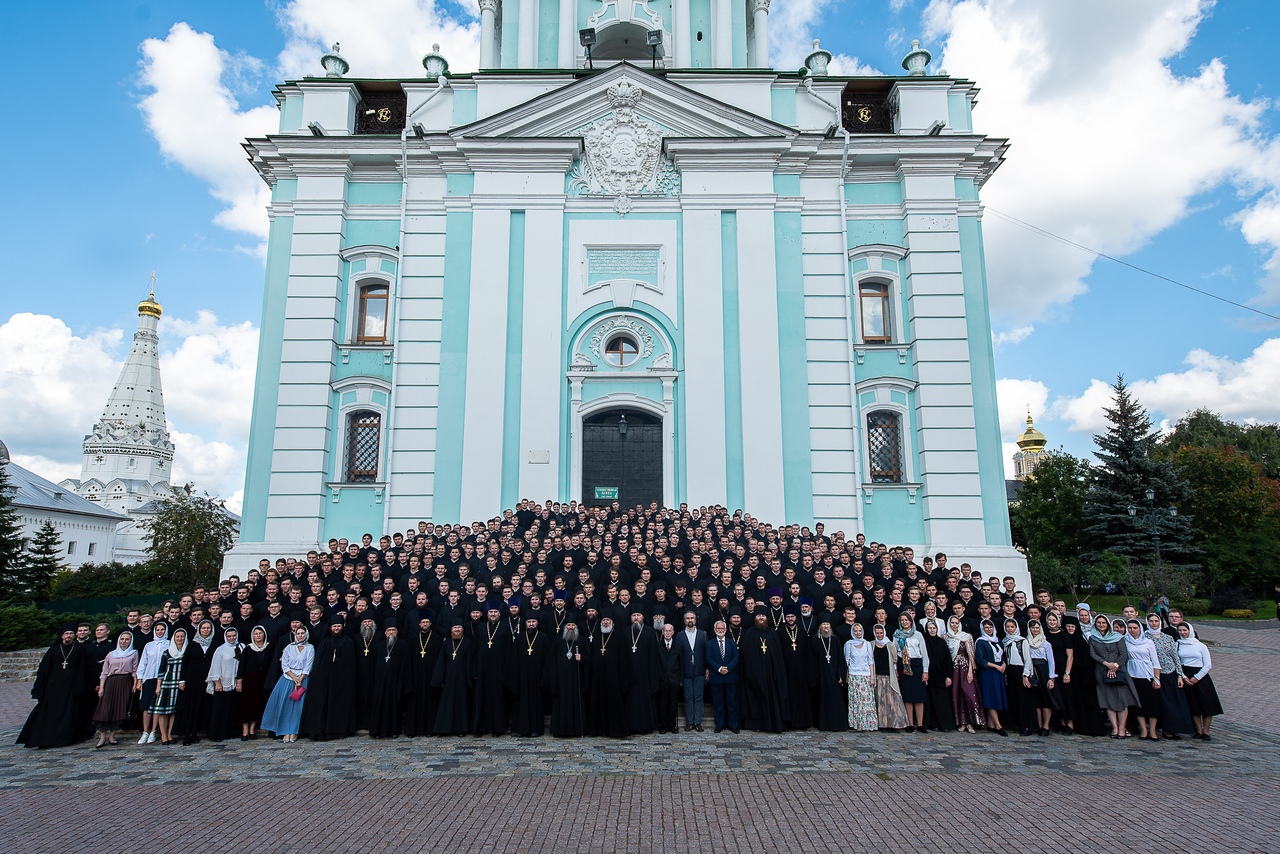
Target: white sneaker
(151, 737)
(143, 740)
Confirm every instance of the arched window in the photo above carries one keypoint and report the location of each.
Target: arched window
(873, 306)
(371, 315)
(884, 446)
(621, 351)
(364, 436)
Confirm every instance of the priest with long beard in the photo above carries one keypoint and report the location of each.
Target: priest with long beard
(796, 654)
(366, 641)
(61, 681)
(526, 671)
(564, 682)
(391, 684)
(646, 674)
(424, 650)
(454, 675)
(492, 645)
(608, 672)
(830, 668)
(763, 678)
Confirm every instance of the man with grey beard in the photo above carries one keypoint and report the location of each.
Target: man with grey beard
(831, 712)
(608, 677)
(564, 681)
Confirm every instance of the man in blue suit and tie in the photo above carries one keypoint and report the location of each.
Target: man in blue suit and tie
(722, 673)
(692, 643)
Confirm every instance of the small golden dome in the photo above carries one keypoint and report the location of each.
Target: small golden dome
(1032, 440)
(149, 305)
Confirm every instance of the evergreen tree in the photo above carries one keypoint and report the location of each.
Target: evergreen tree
(12, 557)
(43, 562)
(1128, 469)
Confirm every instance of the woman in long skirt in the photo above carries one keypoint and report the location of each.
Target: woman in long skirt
(965, 704)
(1175, 717)
(223, 684)
(1202, 697)
(1064, 658)
(891, 714)
(1144, 669)
(1041, 676)
(989, 658)
(913, 669)
(861, 680)
(283, 715)
(1018, 690)
(115, 689)
(1115, 688)
(1088, 718)
(255, 660)
(192, 714)
(170, 684)
(941, 672)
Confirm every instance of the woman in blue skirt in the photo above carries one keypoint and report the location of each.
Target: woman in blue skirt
(283, 714)
(989, 657)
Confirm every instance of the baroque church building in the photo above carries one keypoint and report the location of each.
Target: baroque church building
(626, 260)
(128, 456)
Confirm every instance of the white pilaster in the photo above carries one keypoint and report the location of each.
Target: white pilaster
(527, 55)
(541, 351)
(704, 353)
(681, 24)
(568, 31)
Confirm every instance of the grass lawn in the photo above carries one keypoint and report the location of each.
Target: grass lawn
(1112, 604)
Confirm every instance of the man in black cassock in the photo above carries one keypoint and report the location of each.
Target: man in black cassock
(366, 641)
(391, 684)
(608, 673)
(564, 682)
(455, 674)
(526, 672)
(61, 681)
(672, 682)
(796, 655)
(492, 644)
(329, 707)
(830, 668)
(763, 681)
(646, 674)
(424, 700)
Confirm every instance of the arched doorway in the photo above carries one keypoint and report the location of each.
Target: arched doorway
(621, 458)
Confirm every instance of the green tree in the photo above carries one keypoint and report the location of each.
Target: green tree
(12, 554)
(1048, 519)
(189, 536)
(1205, 429)
(43, 562)
(1128, 469)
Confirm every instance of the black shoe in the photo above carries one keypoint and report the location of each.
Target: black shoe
(921, 729)
(698, 727)
(1025, 732)
(734, 730)
(1205, 737)
(1002, 732)
(1173, 736)
(688, 727)
(719, 729)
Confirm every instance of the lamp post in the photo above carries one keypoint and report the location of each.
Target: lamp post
(1153, 518)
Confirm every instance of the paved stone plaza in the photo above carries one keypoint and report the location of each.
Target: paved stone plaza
(705, 792)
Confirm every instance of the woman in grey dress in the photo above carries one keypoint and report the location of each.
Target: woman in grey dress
(1115, 690)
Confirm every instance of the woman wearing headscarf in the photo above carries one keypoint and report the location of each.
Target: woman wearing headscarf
(965, 705)
(913, 669)
(1088, 718)
(861, 678)
(1143, 667)
(255, 660)
(170, 684)
(192, 713)
(1202, 697)
(1017, 676)
(115, 689)
(940, 676)
(1175, 717)
(283, 715)
(1115, 689)
(223, 686)
(891, 714)
(147, 676)
(1064, 657)
(989, 657)
(1040, 677)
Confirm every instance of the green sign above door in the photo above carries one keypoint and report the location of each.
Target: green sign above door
(609, 492)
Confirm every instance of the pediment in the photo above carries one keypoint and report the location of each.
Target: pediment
(680, 112)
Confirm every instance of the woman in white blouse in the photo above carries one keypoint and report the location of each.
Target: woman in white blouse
(1143, 667)
(860, 660)
(283, 715)
(1202, 697)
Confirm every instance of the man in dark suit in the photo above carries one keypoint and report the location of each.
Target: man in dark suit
(692, 643)
(672, 683)
(722, 673)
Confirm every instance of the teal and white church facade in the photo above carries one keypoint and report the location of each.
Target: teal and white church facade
(656, 273)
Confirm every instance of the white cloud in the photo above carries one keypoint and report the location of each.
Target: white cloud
(1247, 390)
(1109, 145)
(379, 38)
(54, 384)
(191, 110)
(1015, 399)
(1013, 336)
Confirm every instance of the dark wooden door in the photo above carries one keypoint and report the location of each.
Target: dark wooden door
(629, 462)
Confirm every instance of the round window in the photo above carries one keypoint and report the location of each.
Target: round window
(621, 351)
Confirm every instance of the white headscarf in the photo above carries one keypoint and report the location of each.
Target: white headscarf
(997, 651)
(954, 640)
(174, 651)
(204, 642)
(117, 652)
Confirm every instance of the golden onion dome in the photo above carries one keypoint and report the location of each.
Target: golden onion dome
(1032, 440)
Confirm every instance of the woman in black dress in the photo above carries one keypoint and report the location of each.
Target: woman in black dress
(192, 709)
(939, 712)
(1064, 657)
(1083, 687)
(255, 658)
(223, 691)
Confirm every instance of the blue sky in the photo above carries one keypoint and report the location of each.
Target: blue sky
(1144, 129)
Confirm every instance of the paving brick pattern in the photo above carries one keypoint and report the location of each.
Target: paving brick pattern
(689, 792)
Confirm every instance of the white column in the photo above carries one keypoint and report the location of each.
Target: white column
(760, 41)
(527, 56)
(680, 26)
(669, 442)
(568, 32)
(488, 33)
(722, 39)
(575, 439)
